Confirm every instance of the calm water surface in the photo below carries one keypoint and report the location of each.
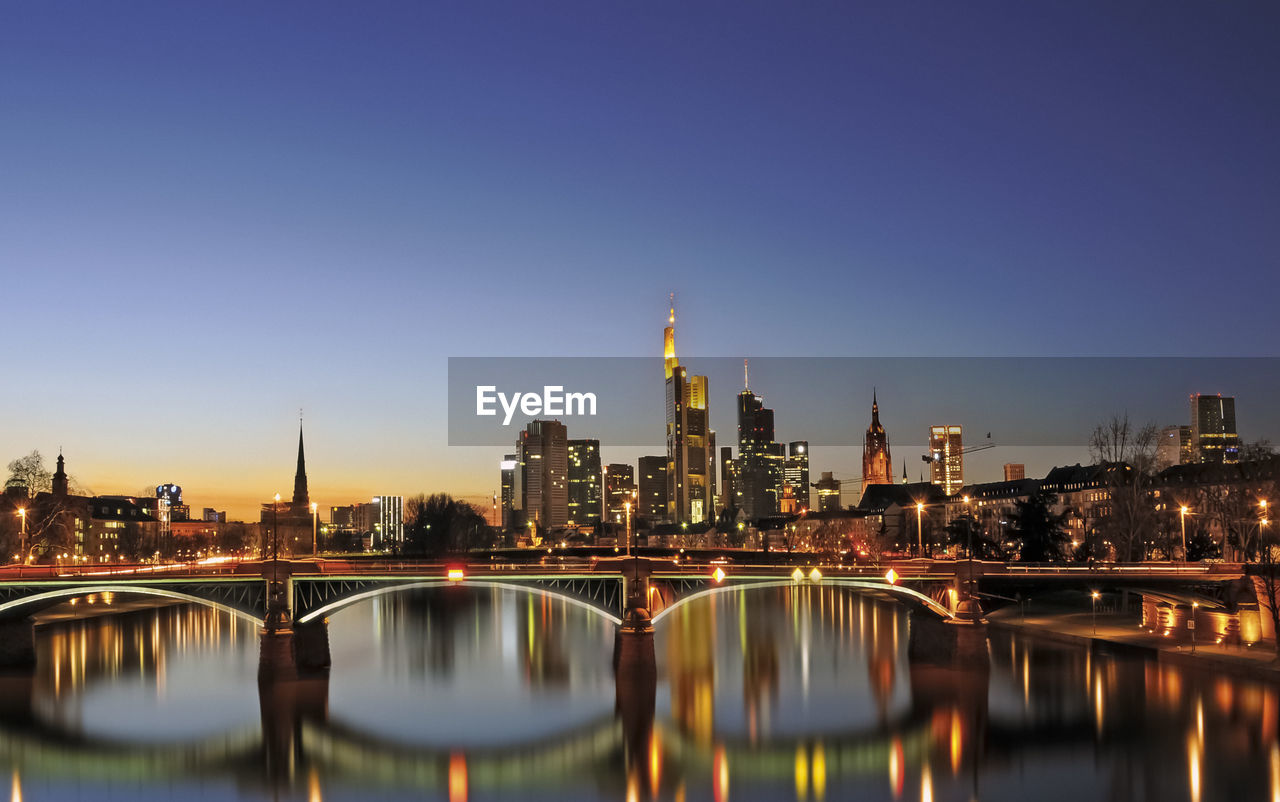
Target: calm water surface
(468, 694)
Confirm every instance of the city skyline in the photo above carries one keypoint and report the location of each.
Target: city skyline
(214, 219)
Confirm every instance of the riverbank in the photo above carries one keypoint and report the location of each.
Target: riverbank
(1122, 631)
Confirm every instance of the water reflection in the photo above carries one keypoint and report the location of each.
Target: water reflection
(808, 693)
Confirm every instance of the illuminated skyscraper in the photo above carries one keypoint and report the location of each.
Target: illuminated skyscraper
(828, 492)
(877, 465)
(509, 465)
(689, 492)
(1213, 429)
(542, 474)
(585, 482)
(759, 458)
(796, 472)
(651, 485)
(1174, 447)
(946, 455)
(619, 488)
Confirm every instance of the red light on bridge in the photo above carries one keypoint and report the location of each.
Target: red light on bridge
(456, 575)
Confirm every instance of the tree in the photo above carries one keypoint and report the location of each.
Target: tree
(1127, 452)
(1266, 577)
(439, 524)
(29, 472)
(965, 531)
(1038, 529)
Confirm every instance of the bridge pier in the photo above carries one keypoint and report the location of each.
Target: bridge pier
(17, 644)
(275, 653)
(311, 647)
(940, 643)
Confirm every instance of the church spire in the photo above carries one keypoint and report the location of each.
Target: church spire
(61, 485)
(300, 496)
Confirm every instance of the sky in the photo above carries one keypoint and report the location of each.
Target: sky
(214, 215)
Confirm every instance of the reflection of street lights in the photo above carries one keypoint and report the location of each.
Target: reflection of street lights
(1094, 595)
(315, 530)
(1183, 514)
(920, 526)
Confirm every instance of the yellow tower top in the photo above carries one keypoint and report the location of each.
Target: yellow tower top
(669, 340)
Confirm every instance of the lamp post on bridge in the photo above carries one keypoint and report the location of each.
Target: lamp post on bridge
(920, 526)
(22, 514)
(315, 530)
(1182, 512)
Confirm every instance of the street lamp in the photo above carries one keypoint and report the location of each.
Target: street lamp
(1094, 595)
(626, 505)
(275, 529)
(315, 530)
(1183, 514)
(920, 526)
(22, 514)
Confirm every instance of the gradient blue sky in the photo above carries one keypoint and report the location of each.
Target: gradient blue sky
(213, 214)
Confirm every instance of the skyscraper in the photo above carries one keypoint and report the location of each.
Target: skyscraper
(619, 488)
(509, 502)
(759, 458)
(946, 458)
(542, 474)
(729, 496)
(651, 486)
(796, 472)
(585, 482)
(689, 494)
(1174, 447)
(877, 465)
(1213, 429)
(828, 492)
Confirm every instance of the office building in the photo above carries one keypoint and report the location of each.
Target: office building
(651, 488)
(760, 459)
(828, 492)
(796, 472)
(1213, 429)
(946, 458)
(690, 494)
(508, 470)
(1173, 447)
(542, 474)
(586, 483)
(620, 488)
(1014, 471)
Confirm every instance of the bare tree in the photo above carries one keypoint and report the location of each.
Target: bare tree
(1128, 453)
(29, 472)
(1266, 577)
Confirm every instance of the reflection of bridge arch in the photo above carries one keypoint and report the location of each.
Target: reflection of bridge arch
(72, 591)
(380, 590)
(907, 594)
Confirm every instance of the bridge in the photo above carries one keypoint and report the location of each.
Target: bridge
(290, 600)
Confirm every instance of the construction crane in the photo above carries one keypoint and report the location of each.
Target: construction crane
(969, 450)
